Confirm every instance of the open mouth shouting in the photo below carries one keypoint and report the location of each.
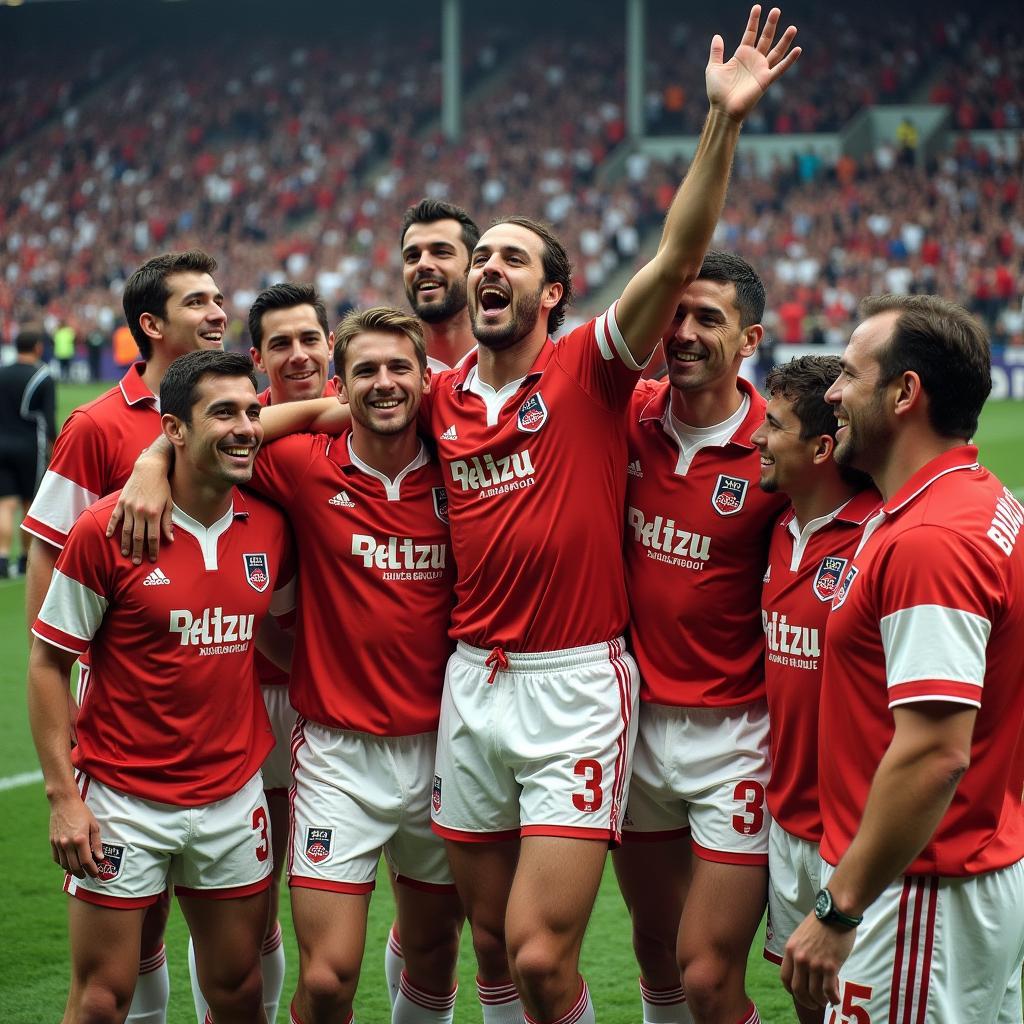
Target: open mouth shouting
(493, 299)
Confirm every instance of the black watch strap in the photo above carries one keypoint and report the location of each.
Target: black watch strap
(826, 911)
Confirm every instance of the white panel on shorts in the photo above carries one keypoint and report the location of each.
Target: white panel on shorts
(277, 768)
(794, 878)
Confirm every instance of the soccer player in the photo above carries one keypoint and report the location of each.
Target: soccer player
(437, 239)
(692, 864)
(27, 430)
(921, 754)
(173, 306)
(163, 785)
(535, 736)
(812, 544)
(291, 345)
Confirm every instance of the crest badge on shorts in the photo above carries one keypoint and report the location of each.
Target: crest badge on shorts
(435, 796)
(440, 503)
(844, 588)
(828, 576)
(318, 844)
(257, 571)
(110, 866)
(729, 494)
(533, 414)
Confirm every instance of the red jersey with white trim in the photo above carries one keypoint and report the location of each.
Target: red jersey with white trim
(171, 711)
(535, 479)
(796, 600)
(375, 586)
(94, 454)
(695, 552)
(932, 609)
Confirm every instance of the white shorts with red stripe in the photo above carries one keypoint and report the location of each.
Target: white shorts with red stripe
(220, 850)
(355, 796)
(535, 744)
(277, 768)
(702, 772)
(794, 878)
(937, 951)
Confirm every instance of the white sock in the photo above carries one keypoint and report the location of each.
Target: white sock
(664, 1006)
(414, 1006)
(500, 1003)
(198, 999)
(272, 962)
(152, 991)
(394, 964)
(581, 1012)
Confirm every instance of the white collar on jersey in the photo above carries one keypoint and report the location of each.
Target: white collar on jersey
(494, 401)
(207, 536)
(393, 488)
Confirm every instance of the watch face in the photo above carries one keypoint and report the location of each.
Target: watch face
(822, 904)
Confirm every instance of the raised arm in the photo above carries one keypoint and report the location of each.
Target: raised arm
(734, 88)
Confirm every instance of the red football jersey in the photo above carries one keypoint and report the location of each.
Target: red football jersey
(695, 552)
(536, 480)
(932, 609)
(171, 711)
(802, 578)
(375, 585)
(94, 454)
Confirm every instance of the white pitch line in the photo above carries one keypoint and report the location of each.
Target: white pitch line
(19, 780)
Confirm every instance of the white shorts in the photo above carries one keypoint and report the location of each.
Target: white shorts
(277, 768)
(794, 878)
(938, 951)
(356, 795)
(702, 770)
(220, 850)
(540, 747)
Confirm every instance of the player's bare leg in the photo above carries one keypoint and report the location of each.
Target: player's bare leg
(720, 918)
(8, 510)
(394, 957)
(228, 934)
(331, 931)
(430, 924)
(654, 878)
(272, 959)
(104, 962)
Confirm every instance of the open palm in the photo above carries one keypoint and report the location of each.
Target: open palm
(734, 86)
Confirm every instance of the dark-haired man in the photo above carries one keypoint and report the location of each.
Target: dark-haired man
(164, 784)
(812, 544)
(695, 844)
(437, 239)
(173, 306)
(921, 753)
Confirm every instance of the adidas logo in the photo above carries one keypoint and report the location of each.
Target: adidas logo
(451, 434)
(156, 579)
(342, 498)
(633, 469)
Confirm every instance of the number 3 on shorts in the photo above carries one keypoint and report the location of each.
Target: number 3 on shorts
(592, 796)
(848, 1013)
(259, 823)
(750, 793)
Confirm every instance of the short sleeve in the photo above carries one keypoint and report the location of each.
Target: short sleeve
(280, 465)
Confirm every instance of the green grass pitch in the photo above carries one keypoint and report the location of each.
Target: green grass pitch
(33, 940)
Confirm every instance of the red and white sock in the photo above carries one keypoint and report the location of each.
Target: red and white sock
(751, 1016)
(273, 964)
(415, 1005)
(581, 1012)
(664, 1005)
(394, 964)
(152, 991)
(500, 1003)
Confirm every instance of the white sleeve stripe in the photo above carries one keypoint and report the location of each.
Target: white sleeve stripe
(620, 342)
(930, 641)
(72, 607)
(53, 643)
(60, 501)
(935, 698)
(601, 331)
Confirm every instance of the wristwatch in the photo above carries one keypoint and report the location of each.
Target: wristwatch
(825, 911)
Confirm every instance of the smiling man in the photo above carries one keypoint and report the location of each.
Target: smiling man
(164, 785)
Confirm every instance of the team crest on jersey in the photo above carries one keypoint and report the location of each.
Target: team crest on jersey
(533, 414)
(827, 578)
(257, 571)
(435, 796)
(110, 866)
(844, 588)
(729, 494)
(318, 844)
(440, 503)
